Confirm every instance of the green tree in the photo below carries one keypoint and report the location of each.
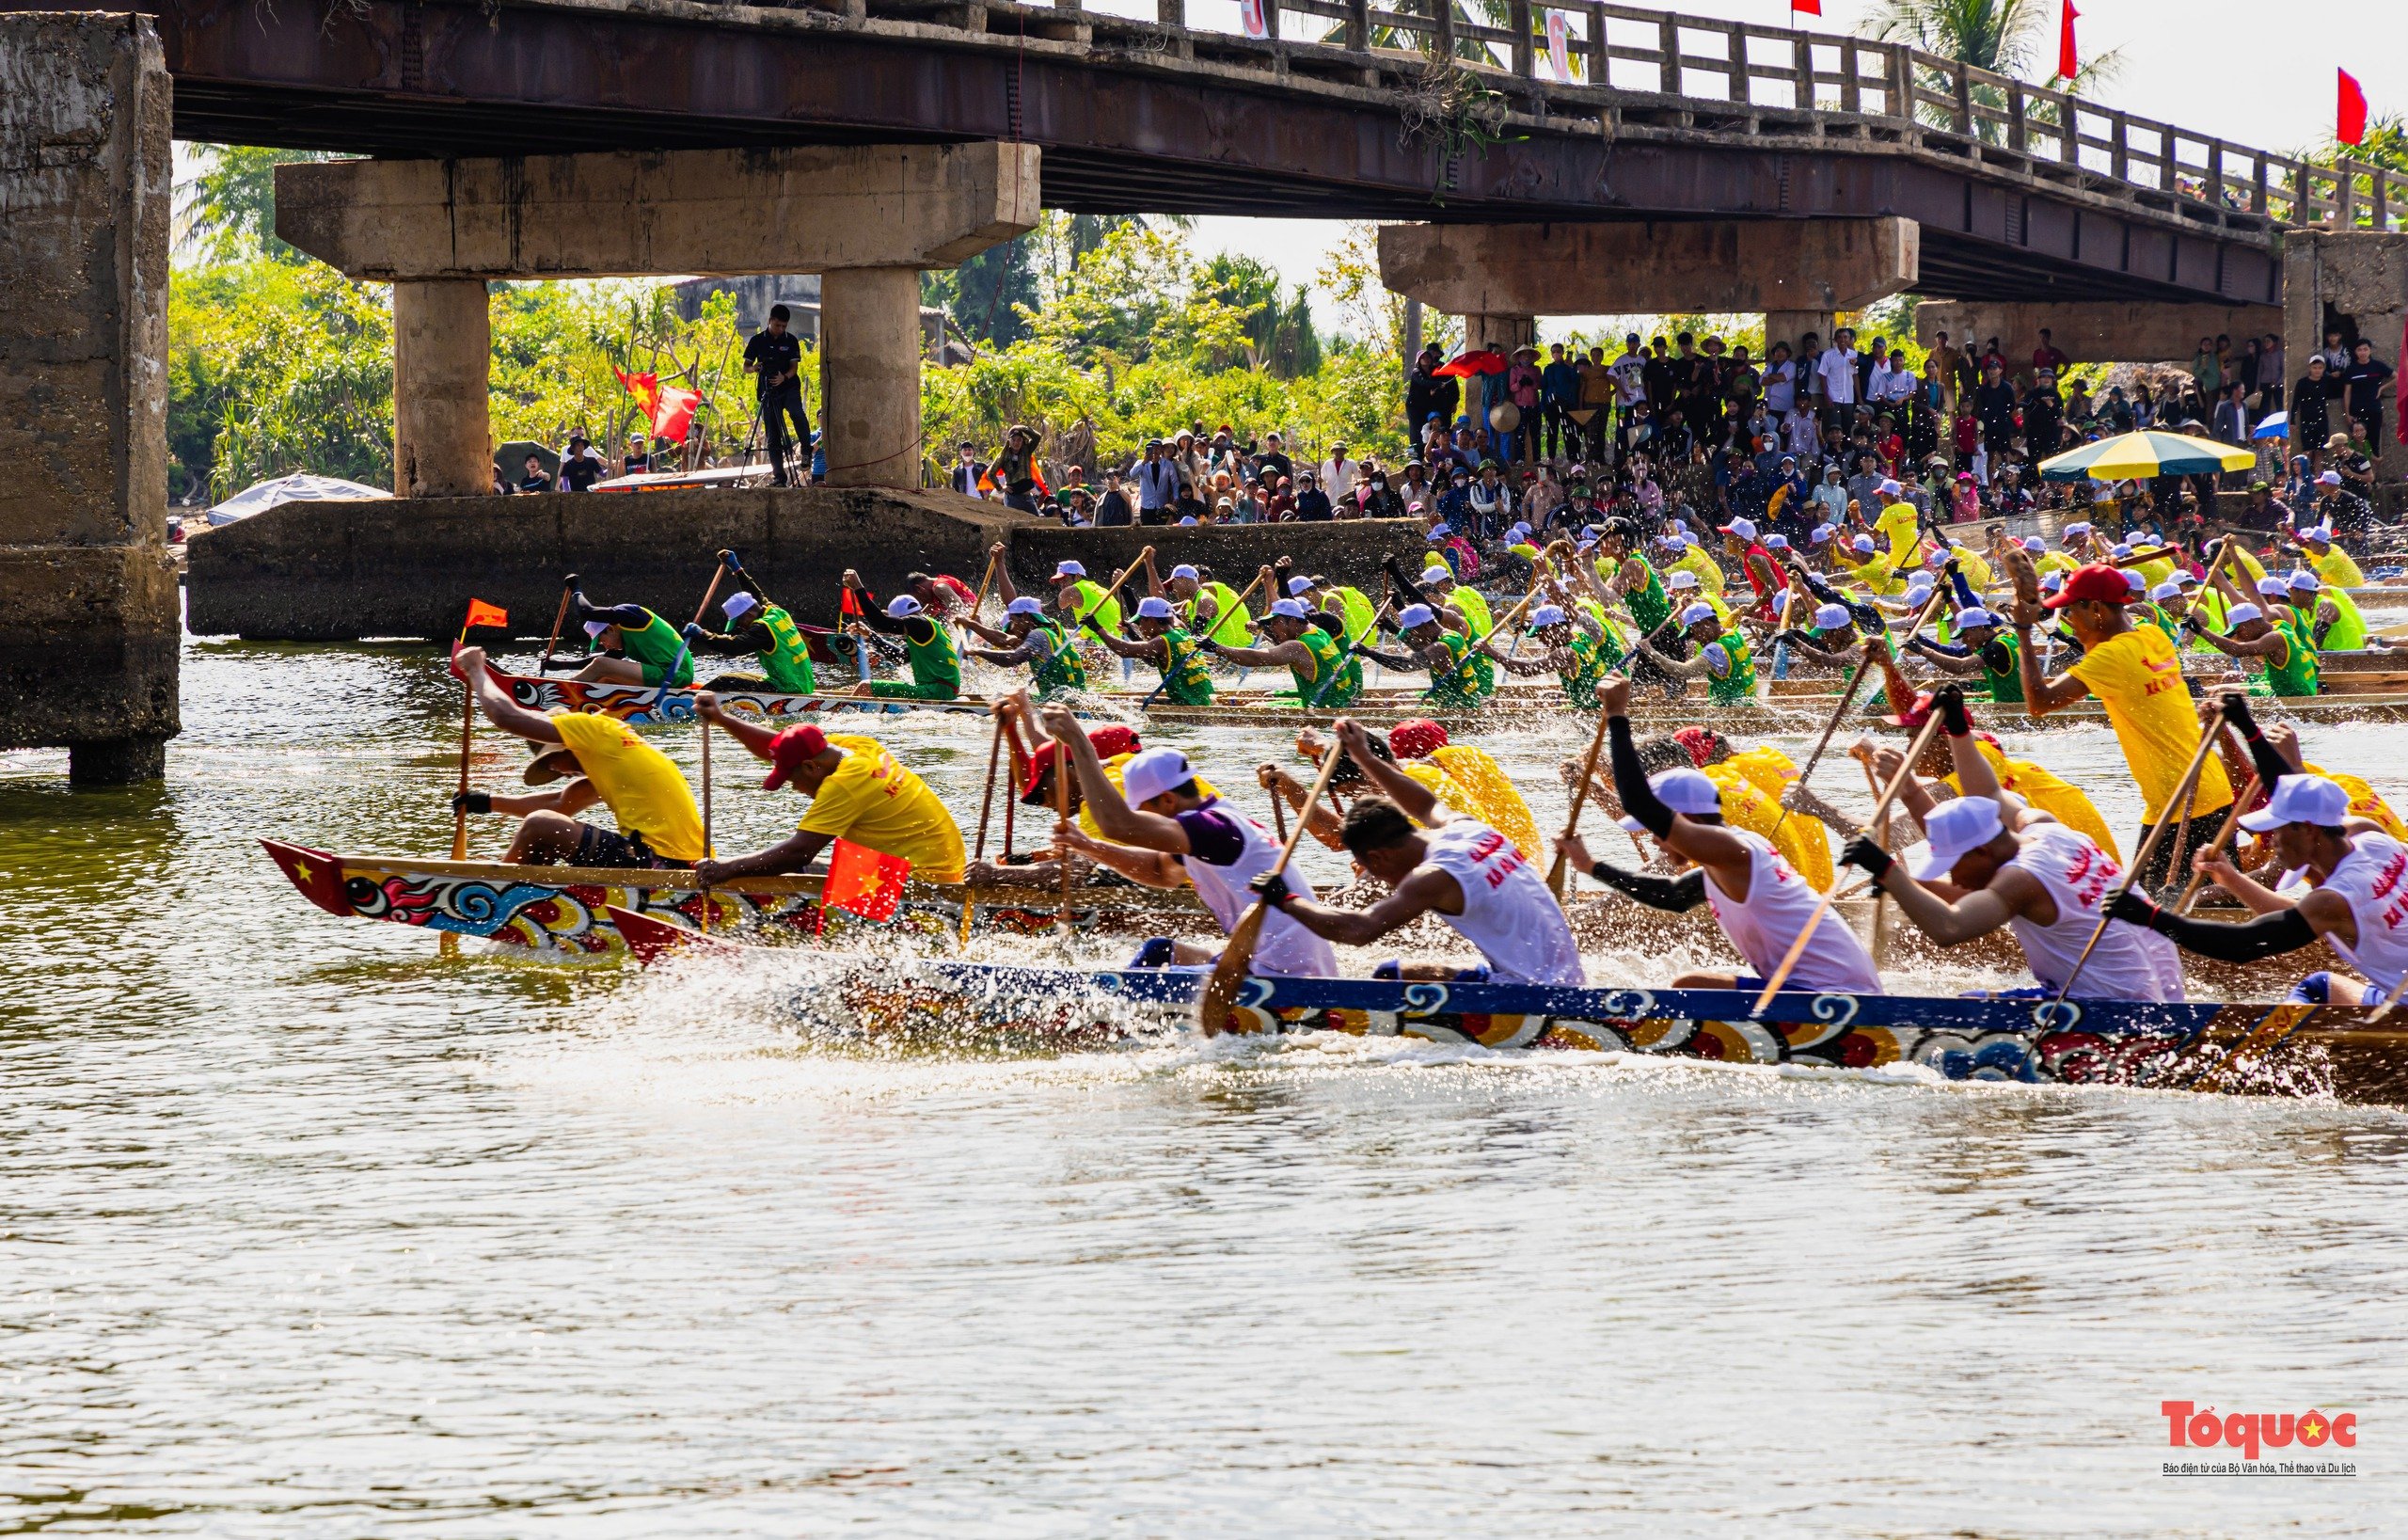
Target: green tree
(226, 211)
(2012, 38)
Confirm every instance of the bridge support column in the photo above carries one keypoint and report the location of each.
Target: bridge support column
(87, 593)
(2355, 281)
(442, 424)
(869, 373)
(2118, 332)
(1792, 326)
(1784, 269)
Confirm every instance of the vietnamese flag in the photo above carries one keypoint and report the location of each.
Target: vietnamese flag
(2351, 117)
(668, 409)
(867, 882)
(2068, 59)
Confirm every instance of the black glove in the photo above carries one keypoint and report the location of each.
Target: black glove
(1272, 888)
(2134, 908)
(1863, 852)
(2236, 714)
(472, 802)
(1950, 699)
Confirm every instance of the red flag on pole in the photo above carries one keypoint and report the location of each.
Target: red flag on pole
(2068, 59)
(668, 409)
(1798, 7)
(2350, 126)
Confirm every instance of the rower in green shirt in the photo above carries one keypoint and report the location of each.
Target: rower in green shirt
(1030, 639)
(1725, 660)
(1187, 677)
(1324, 678)
(2330, 614)
(2279, 643)
(928, 649)
(1567, 650)
(653, 649)
(1989, 650)
(1207, 606)
(1454, 680)
(761, 630)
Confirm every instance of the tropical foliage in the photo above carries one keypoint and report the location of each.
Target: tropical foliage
(1105, 332)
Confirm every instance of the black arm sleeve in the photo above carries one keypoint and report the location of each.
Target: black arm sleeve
(2271, 766)
(1411, 590)
(750, 637)
(1995, 655)
(1674, 895)
(2268, 935)
(1630, 782)
(918, 629)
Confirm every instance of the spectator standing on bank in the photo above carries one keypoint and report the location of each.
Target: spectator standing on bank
(1427, 394)
(1338, 473)
(1312, 504)
(1558, 394)
(2049, 358)
(2270, 375)
(1157, 484)
(581, 467)
(773, 357)
(2365, 380)
(1523, 383)
(1837, 371)
(2312, 400)
(1597, 399)
(966, 471)
(1115, 510)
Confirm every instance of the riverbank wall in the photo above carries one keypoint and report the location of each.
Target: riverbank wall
(407, 567)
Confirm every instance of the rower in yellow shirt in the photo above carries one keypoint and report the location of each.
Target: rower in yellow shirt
(2136, 674)
(1692, 558)
(1900, 525)
(857, 792)
(2333, 565)
(1861, 560)
(592, 758)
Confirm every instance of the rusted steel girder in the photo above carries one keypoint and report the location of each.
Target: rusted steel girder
(1122, 133)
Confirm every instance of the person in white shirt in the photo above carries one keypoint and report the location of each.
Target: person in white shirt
(1781, 381)
(1338, 473)
(2016, 867)
(1836, 369)
(1455, 867)
(1760, 900)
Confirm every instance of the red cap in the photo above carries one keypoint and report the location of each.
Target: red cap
(2095, 581)
(1699, 741)
(1109, 744)
(1416, 740)
(790, 750)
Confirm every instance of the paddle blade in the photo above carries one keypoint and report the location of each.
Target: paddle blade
(1555, 877)
(1220, 990)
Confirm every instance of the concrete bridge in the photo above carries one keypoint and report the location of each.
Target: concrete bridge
(1590, 158)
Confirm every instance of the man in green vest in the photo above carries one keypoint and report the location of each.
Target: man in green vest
(1187, 677)
(928, 649)
(757, 626)
(1569, 649)
(1031, 639)
(1723, 661)
(651, 649)
(1456, 668)
(2279, 642)
(1984, 647)
(2330, 614)
(1325, 677)
(1212, 608)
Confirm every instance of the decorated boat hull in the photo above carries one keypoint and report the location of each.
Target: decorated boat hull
(2264, 1049)
(564, 913)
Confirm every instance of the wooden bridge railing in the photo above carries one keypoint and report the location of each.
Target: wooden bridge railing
(1662, 61)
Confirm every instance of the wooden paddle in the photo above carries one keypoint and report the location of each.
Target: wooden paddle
(1556, 876)
(1062, 810)
(2182, 794)
(559, 616)
(1881, 808)
(2224, 838)
(1880, 837)
(450, 943)
(1213, 1009)
(1839, 712)
(980, 602)
(1465, 668)
(704, 888)
(986, 806)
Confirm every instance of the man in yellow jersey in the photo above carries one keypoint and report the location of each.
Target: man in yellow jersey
(593, 759)
(1899, 526)
(1860, 561)
(2332, 563)
(2137, 676)
(857, 792)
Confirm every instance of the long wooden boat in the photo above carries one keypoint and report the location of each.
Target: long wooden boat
(2264, 1049)
(563, 914)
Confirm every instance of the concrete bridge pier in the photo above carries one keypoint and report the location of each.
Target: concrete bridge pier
(87, 593)
(868, 219)
(1797, 273)
(442, 357)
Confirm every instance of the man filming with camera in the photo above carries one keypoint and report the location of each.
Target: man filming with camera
(774, 356)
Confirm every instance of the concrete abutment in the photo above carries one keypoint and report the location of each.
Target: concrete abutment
(88, 643)
(442, 359)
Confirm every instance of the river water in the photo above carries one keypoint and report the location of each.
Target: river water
(307, 1231)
